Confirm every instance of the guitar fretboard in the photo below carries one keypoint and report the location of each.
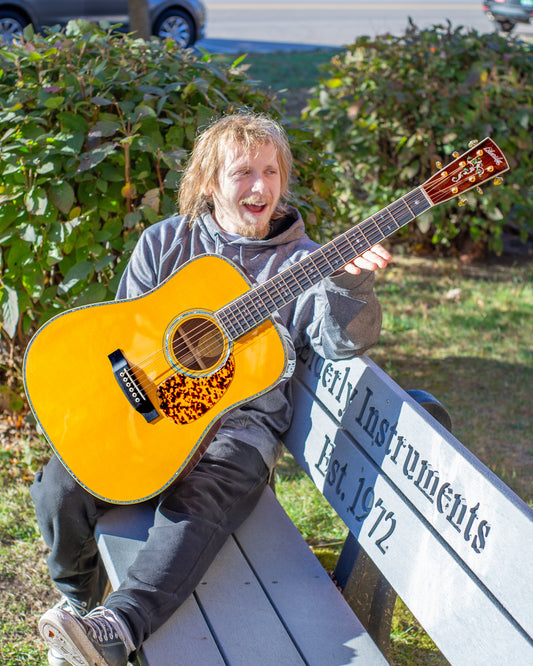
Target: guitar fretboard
(249, 310)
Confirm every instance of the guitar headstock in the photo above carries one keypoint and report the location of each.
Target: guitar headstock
(481, 163)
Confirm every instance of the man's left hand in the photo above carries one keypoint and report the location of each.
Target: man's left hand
(371, 260)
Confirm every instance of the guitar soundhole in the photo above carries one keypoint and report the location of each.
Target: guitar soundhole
(198, 345)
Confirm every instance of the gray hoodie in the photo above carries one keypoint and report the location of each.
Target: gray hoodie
(340, 317)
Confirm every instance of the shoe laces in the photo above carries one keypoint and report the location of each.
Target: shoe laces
(77, 608)
(105, 626)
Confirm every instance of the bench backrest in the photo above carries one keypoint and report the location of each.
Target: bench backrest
(453, 541)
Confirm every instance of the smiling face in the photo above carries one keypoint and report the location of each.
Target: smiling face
(247, 190)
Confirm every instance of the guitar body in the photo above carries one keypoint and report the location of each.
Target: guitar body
(125, 454)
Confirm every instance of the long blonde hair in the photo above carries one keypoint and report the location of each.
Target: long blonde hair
(248, 131)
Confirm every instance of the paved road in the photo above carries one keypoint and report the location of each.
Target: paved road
(262, 26)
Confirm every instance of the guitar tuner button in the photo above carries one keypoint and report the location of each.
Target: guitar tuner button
(473, 143)
(455, 154)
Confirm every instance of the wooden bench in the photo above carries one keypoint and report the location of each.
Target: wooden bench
(426, 521)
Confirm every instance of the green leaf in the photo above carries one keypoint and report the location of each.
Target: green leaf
(8, 214)
(9, 309)
(33, 281)
(36, 201)
(238, 61)
(131, 219)
(55, 102)
(62, 195)
(75, 275)
(99, 100)
(104, 128)
(94, 293)
(73, 121)
(90, 159)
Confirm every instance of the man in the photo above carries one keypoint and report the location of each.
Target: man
(231, 204)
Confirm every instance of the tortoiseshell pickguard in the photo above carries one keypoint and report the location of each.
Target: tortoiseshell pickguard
(184, 399)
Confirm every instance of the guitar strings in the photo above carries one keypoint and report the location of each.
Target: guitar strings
(182, 350)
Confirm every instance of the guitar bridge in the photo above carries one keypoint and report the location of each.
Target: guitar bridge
(131, 386)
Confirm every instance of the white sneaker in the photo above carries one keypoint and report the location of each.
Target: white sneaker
(71, 606)
(100, 638)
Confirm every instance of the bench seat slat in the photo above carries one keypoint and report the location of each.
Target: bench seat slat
(265, 594)
(316, 614)
(244, 624)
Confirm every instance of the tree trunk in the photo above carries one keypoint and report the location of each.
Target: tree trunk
(139, 18)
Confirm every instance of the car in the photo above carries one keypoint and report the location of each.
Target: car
(181, 20)
(507, 13)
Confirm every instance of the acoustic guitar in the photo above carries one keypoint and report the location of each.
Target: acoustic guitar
(130, 393)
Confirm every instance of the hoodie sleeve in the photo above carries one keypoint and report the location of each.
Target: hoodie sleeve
(340, 317)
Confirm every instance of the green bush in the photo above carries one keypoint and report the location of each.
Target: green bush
(94, 129)
(389, 108)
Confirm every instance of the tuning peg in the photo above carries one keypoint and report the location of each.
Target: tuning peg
(473, 143)
(498, 180)
(461, 202)
(438, 165)
(479, 190)
(455, 154)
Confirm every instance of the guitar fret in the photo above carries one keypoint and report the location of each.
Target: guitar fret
(299, 275)
(348, 248)
(373, 232)
(324, 256)
(362, 232)
(261, 311)
(417, 201)
(309, 270)
(245, 312)
(286, 290)
(359, 244)
(284, 301)
(231, 323)
(313, 270)
(386, 222)
(343, 247)
(401, 213)
(338, 260)
(264, 290)
(260, 305)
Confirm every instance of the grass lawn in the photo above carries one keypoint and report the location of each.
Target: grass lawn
(461, 331)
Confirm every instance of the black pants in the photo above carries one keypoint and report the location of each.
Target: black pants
(193, 519)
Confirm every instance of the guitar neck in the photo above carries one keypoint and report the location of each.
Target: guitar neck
(254, 307)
